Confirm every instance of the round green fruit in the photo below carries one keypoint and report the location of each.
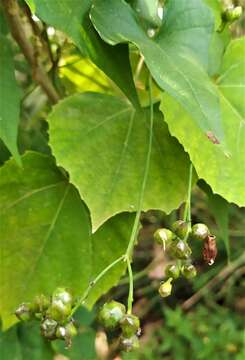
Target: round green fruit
(61, 294)
(129, 343)
(41, 303)
(163, 236)
(24, 312)
(232, 14)
(172, 271)
(58, 310)
(180, 249)
(130, 325)
(48, 328)
(189, 271)
(180, 228)
(200, 231)
(111, 313)
(165, 288)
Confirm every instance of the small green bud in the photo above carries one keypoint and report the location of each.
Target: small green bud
(232, 14)
(71, 329)
(61, 294)
(48, 328)
(163, 236)
(200, 232)
(60, 332)
(130, 325)
(58, 310)
(24, 312)
(189, 271)
(180, 228)
(180, 249)
(41, 303)
(111, 313)
(172, 271)
(165, 288)
(129, 343)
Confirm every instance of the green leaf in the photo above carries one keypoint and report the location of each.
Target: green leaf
(46, 238)
(9, 99)
(31, 5)
(83, 346)
(102, 142)
(24, 342)
(174, 56)
(225, 173)
(72, 17)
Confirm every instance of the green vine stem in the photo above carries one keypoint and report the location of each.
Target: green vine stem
(92, 283)
(135, 229)
(128, 255)
(187, 212)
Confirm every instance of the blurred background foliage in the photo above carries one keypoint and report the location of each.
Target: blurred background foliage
(204, 317)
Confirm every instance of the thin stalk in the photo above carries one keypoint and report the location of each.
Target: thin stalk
(135, 228)
(187, 212)
(84, 297)
(131, 286)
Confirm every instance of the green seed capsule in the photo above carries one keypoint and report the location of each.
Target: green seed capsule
(163, 236)
(189, 271)
(60, 332)
(165, 288)
(24, 312)
(180, 249)
(130, 325)
(41, 303)
(129, 343)
(232, 14)
(172, 271)
(58, 310)
(180, 228)
(111, 313)
(200, 232)
(71, 329)
(48, 328)
(61, 294)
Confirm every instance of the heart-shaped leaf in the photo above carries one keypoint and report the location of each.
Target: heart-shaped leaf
(72, 18)
(174, 55)
(110, 183)
(225, 173)
(45, 236)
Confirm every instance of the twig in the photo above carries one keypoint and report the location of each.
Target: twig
(213, 282)
(12, 11)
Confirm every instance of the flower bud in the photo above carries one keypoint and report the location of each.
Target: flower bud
(130, 325)
(165, 288)
(24, 312)
(48, 328)
(180, 228)
(189, 271)
(172, 271)
(111, 313)
(129, 343)
(200, 232)
(163, 236)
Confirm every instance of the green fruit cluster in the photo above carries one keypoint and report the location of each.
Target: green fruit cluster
(113, 316)
(175, 242)
(53, 312)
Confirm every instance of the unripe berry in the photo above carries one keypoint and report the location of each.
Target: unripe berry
(48, 328)
(163, 236)
(58, 310)
(172, 271)
(63, 295)
(189, 271)
(41, 303)
(130, 325)
(165, 288)
(129, 343)
(180, 249)
(71, 329)
(232, 14)
(180, 228)
(200, 232)
(24, 312)
(111, 313)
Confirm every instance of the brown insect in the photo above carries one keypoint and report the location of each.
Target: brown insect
(210, 249)
(212, 137)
